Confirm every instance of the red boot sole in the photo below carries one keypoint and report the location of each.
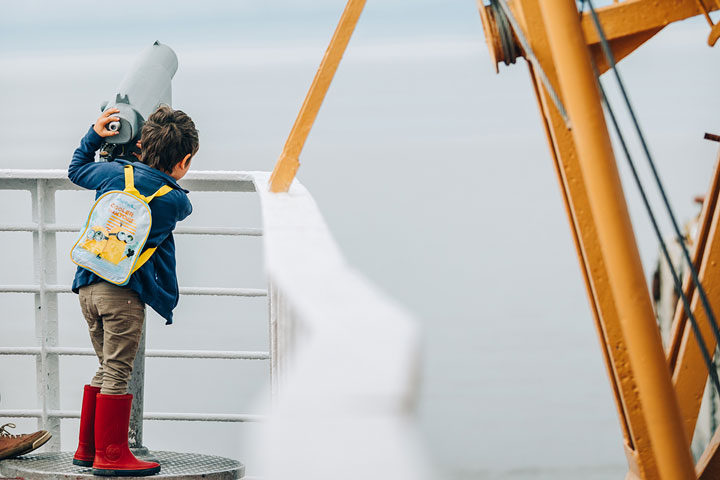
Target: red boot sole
(126, 473)
(82, 463)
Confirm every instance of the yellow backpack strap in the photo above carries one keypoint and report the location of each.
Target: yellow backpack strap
(161, 191)
(130, 182)
(144, 257)
(130, 186)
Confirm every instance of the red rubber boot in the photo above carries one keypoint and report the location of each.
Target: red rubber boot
(112, 456)
(85, 452)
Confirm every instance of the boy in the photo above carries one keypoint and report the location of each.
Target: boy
(115, 314)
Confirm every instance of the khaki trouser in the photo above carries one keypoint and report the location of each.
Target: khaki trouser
(115, 317)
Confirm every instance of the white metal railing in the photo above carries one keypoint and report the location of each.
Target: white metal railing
(229, 355)
(189, 417)
(42, 185)
(31, 227)
(199, 291)
(344, 358)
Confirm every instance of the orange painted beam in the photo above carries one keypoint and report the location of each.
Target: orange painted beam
(621, 48)
(689, 372)
(708, 465)
(581, 98)
(680, 320)
(629, 17)
(641, 460)
(629, 24)
(288, 163)
(602, 303)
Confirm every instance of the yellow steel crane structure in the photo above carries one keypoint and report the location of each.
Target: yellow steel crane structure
(658, 406)
(657, 393)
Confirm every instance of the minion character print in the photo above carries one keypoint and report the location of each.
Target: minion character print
(95, 240)
(117, 249)
(115, 241)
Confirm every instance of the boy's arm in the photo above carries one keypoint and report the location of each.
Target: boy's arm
(173, 208)
(83, 171)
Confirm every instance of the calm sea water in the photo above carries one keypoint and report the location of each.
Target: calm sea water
(433, 175)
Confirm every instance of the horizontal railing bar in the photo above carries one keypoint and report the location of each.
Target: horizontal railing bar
(248, 232)
(21, 289)
(186, 417)
(21, 413)
(208, 354)
(214, 291)
(230, 231)
(61, 175)
(218, 291)
(199, 181)
(229, 355)
(19, 227)
(204, 417)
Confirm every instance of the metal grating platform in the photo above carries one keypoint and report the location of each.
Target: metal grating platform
(185, 466)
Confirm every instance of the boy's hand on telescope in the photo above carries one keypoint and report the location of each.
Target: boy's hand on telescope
(100, 126)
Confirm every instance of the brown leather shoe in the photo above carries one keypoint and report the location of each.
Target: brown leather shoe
(14, 445)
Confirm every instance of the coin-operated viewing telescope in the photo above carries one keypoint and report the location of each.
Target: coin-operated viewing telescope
(144, 88)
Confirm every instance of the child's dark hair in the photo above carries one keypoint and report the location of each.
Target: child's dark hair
(167, 137)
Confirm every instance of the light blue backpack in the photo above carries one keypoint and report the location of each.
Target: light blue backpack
(115, 233)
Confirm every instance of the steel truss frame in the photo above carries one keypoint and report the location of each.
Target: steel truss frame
(563, 44)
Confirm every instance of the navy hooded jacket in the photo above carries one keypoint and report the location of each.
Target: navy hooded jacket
(156, 281)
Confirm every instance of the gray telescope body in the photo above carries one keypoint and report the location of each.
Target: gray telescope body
(144, 88)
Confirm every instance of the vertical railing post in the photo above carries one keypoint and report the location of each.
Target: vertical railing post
(282, 348)
(273, 313)
(46, 315)
(281, 337)
(581, 96)
(136, 387)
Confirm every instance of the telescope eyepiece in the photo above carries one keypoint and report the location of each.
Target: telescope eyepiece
(113, 126)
